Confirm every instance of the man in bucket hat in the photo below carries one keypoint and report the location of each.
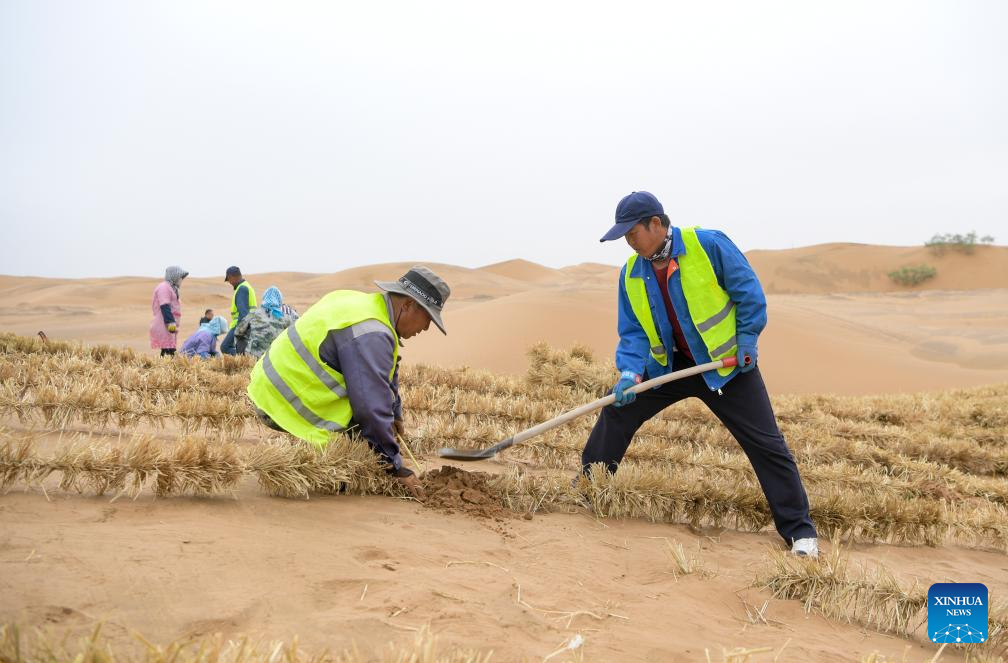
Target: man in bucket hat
(337, 367)
(688, 296)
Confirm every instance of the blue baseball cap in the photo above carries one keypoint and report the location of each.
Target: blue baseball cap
(638, 206)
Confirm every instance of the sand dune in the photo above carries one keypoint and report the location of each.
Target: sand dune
(858, 344)
(523, 270)
(845, 328)
(495, 334)
(829, 268)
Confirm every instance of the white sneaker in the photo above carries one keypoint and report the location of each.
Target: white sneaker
(806, 548)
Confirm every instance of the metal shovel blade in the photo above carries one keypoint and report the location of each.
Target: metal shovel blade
(476, 454)
(465, 454)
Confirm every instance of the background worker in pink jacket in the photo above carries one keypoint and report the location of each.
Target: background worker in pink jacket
(166, 308)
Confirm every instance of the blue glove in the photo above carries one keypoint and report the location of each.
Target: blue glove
(627, 380)
(746, 351)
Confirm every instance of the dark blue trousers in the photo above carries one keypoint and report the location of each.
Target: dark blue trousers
(744, 408)
(227, 346)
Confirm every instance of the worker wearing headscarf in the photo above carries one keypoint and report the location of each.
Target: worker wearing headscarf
(257, 330)
(272, 301)
(166, 309)
(203, 342)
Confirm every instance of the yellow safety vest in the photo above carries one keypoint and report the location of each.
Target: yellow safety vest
(711, 309)
(291, 383)
(234, 302)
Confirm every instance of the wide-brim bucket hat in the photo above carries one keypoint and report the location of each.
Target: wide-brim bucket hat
(425, 287)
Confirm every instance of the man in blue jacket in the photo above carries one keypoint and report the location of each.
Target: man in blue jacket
(686, 297)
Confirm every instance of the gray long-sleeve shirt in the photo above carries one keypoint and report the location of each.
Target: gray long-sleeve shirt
(363, 354)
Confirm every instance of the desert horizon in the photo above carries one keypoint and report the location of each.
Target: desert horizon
(833, 299)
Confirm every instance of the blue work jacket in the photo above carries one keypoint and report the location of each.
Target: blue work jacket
(734, 275)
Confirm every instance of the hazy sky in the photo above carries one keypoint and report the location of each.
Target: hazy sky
(316, 136)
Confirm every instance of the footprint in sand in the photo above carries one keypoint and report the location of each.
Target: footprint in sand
(342, 590)
(369, 554)
(58, 614)
(235, 622)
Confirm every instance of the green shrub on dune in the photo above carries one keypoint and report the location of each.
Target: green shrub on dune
(911, 276)
(941, 243)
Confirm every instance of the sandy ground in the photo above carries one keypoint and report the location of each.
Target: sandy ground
(344, 570)
(335, 571)
(848, 322)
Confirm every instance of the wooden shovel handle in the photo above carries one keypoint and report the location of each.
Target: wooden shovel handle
(539, 429)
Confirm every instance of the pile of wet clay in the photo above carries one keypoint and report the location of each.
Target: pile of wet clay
(453, 490)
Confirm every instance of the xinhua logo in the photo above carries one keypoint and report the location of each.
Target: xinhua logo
(957, 612)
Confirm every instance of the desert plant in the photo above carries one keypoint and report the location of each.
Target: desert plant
(940, 243)
(912, 276)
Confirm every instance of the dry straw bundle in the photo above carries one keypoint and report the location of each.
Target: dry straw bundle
(978, 408)
(888, 432)
(169, 377)
(524, 412)
(702, 498)
(562, 448)
(871, 596)
(963, 429)
(12, 344)
(48, 647)
(575, 368)
(913, 502)
(695, 495)
(192, 466)
(465, 378)
(61, 401)
(197, 466)
(880, 468)
(347, 465)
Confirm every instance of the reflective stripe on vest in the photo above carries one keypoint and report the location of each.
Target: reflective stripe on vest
(290, 382)
(711, 309)
(315, 367)
(295, 402)
(637, 294)
(234, 302)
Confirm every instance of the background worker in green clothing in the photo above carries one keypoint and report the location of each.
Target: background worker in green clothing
(242, 301)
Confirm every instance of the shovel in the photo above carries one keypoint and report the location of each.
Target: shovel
(518, 438)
